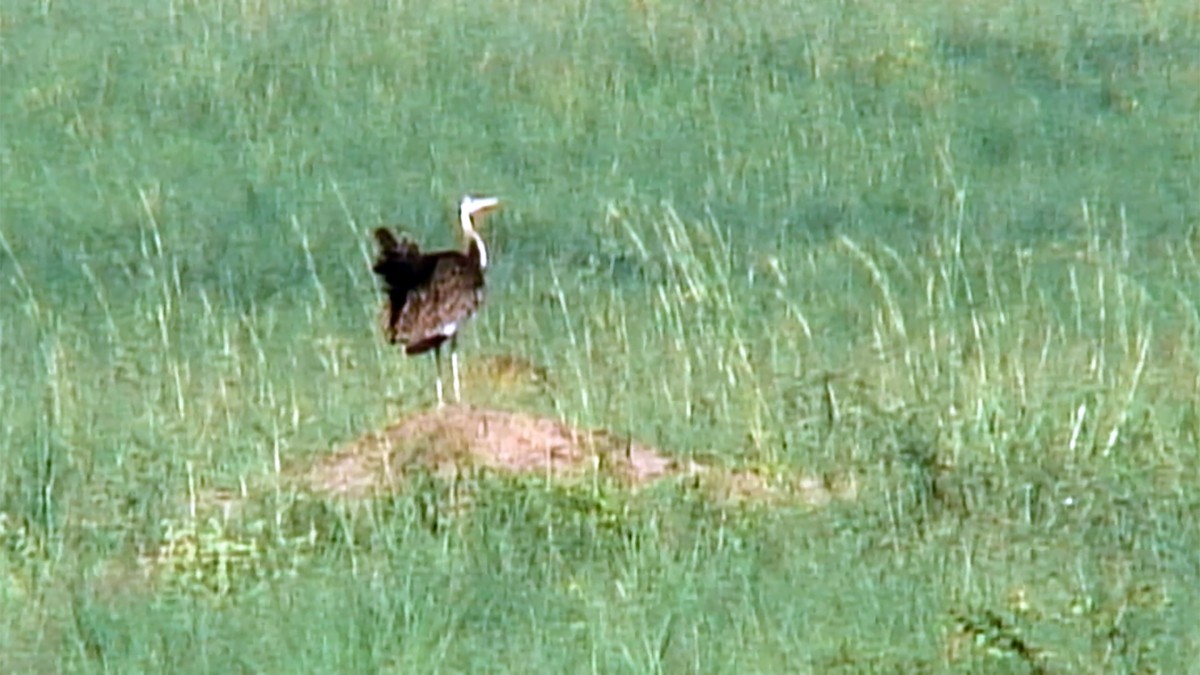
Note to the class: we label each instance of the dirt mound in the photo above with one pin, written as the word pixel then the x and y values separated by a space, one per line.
pixel 455 438
pixel 456 441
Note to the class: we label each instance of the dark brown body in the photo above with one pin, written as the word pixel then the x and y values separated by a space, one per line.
pixel 429 295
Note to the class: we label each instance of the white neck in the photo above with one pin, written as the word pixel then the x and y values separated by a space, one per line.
pixel 469 229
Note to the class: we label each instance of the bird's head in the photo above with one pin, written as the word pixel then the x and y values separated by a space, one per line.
pixel 472 209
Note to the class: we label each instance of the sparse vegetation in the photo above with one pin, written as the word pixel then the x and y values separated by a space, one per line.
pixel 916 281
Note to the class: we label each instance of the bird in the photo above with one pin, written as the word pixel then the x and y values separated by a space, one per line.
pixel 430 296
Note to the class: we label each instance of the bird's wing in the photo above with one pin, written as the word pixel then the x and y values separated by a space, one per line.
pixel 390 245
pixel 402 269
pixel 399 259
pixel 450 297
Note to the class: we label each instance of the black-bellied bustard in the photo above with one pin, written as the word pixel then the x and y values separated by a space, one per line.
pixel 431 295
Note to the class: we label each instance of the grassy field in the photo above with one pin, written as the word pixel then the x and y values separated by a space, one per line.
pixel 947 249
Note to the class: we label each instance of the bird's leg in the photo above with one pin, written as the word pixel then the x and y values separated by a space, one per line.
pixel 454 370
pixel 437 359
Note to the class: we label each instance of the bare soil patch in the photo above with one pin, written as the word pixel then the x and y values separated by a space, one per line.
pixel 456 439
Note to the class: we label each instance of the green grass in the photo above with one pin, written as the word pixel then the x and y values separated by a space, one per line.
pixel 949 248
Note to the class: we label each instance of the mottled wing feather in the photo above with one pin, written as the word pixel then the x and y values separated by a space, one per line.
pixel 428 296
pixel 437 309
